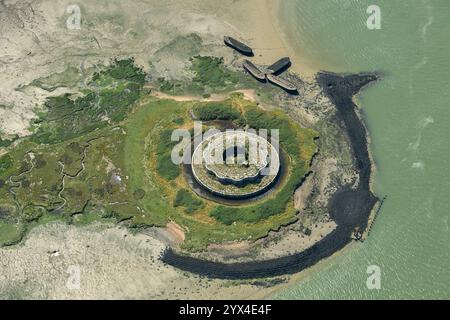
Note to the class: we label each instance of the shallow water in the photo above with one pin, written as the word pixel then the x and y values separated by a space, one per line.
pixel 407 115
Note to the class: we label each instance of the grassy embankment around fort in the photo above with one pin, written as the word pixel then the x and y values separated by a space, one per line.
pixel 104 155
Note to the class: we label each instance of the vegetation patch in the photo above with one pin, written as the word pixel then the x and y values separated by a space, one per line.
pixel 73 165
pixel 10 233
pixel 4 143
pixel 108 99
pixel 165 166
pixel 216 111
pixel 5 163
pixel 100 156
pixel 186 199
pixel 209 75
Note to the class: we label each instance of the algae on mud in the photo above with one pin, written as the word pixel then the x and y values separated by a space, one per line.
pixel 162 189
pixel 105 154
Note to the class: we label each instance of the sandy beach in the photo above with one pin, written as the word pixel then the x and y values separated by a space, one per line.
pixel 257 21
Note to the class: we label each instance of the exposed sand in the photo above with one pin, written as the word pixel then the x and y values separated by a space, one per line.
pixel 35 44
pixel 110 263
pixel 249 94
pixel 176 231
pixel 256 21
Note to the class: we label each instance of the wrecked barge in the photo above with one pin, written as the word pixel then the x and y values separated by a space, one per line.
pixel 282 83
pixel 254 70
pixel 280 66
pixel 238 46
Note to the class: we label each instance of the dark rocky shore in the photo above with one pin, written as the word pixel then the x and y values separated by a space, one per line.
pixel 349 208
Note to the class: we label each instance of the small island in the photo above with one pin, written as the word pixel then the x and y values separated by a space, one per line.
pixel 108 158
pixel 101 153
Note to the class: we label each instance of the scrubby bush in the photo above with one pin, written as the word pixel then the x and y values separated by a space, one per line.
pixel 185 199
pixel 210 72
pixel 7 142
pixel 5 163
pixel 165 167
pixel 114 91
pixel 216 111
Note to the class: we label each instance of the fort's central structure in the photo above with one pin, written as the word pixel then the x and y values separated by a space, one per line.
pixel 235 164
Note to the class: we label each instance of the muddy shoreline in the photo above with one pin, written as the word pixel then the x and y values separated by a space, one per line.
pixel 349 208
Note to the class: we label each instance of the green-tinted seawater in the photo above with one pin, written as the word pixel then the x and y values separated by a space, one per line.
pixel 408 117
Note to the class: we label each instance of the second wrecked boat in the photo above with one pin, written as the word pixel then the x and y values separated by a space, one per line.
pixel 279 66
pixel 254 70
pixel 282 83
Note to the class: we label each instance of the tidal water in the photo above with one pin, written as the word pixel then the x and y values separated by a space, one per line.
pixel 408 118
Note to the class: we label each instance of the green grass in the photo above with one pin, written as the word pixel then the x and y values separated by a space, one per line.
pixel 147 195
pixel 109 98
pixel 92 216
pixel 165 85
pixel 186 199
pixel 229 223
pixel 209 75
pixel 5 163
pixel 124 69
pixel 141 146
pixel 32 213
pixel 210 72
pixel 4 143
pixel 216 111
pixel 74 138
pixel 10 233
pixel 92 194
pixel 165 166
pixel 113 131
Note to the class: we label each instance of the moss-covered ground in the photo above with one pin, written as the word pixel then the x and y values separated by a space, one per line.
pixel 104 155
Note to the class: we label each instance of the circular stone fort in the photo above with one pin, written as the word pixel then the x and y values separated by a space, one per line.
pixel 235 164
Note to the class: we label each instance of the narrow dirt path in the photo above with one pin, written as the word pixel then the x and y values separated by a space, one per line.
pixel 249 94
